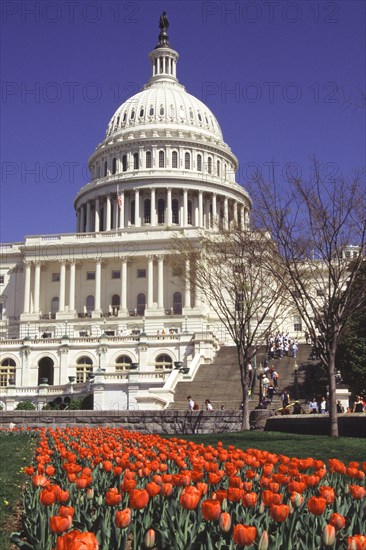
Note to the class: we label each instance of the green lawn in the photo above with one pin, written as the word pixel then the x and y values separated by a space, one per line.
pixel 301 446
pixel 16 452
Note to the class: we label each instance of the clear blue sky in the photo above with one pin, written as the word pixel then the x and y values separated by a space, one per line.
pixel 285 80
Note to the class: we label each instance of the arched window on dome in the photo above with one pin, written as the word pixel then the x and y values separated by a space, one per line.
pixel 161 159
pixel 141 304
pixel 132 212
pixel 199 116
pixel 199 163
pixel 147 210
pixel 114 165
pixel 135 161
pixel 209 165
pixel 117 123
pixel 142 112
pixel 175 211
pixel 89 304
pixel 187 161
pixel 132 115
pixel 161 111
pixel 105 168
pixel 190 210
pixel 7 372
pixel 124 163
pixel 151 111
pixel 84 367
pixel 148 159
pixel 161 211
pixel 191 114
pixel 124 117
pixel 55 303
pixel 98 170
pixel 218 168
pixel 174 159
pixel 115 304
pixel 163 362
pixel 177 303
pixel 123 363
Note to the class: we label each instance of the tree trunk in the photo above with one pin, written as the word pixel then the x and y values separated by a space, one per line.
pixel 245 426
pixel 333 418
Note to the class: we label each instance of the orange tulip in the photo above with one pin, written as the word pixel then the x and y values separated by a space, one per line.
pixel 249 500
pixel 40 481
pixel 47 496
pixel 153 489
pixel 190 498
pixel 244 535
pixel 66 511
pixel 29 470
pixel 357 542
pixel 225 522
pixel 75 540
pixel 268 498
pixel 327 493
pixel 50 470
pixel 112 497
pixel 338 521
pixel 128 485
pixel 211 510
pixel 139 498
pixel 279 512
pixel 357 492
pixel 234 494
pixel 123 518
pixel 316 505
pixel 166 489
pixel 59 524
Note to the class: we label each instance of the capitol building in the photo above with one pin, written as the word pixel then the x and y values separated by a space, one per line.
pixel 103 310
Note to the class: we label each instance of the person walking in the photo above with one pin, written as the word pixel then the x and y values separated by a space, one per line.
pixel 209 407
pixel 323 405
pixel 190 403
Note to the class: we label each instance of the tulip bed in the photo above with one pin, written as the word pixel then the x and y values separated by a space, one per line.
pixel 109 489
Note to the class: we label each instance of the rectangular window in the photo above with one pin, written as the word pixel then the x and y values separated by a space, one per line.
pixel 116 274
pixel 82 374
pixel 141 273
pixel 90 276
pixel 55 277
pixel 177 271
pixel 1 279
pixel 1 311
pixel 297 323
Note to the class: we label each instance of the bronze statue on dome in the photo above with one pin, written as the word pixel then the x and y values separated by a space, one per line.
pixel 163 26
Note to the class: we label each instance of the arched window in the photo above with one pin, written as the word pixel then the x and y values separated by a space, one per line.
pixel 161 211
pixel 142 112
pixel 218 168
pixel 124 163
pixel 141 303
pixel 177 303
pixel 148 159
pixel 115 304
pixel 161 159
pixel 209 165
pixel 132 115
pixel 151 111
pixel 135 161
pixel 55 302
pixel 175 211
pixel 132 212
pixel 147 210
pixel 114 165
pixel 199 163
pixel 7 372
pixel 98 170
pixel 89 304
pixel 190 209
pixel 187 161
pixel 163 362
pixel 174 159
pixel 123 362
pixel 105 168
pixel 84 367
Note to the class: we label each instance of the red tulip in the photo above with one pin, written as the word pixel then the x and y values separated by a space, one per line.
pixel 139 498
pixel 249 500
pixel 153 489
pixel 357 542
pixel 59 524
pixel 211 510
pixel 357 492
pixel 112 498
pixel 75 540
pixel 327 493
pixel 279 512
pixel 123 518
pixel 316 505
pixel 338 521
pixel 166 489
pixel 244 535
pixel 190 498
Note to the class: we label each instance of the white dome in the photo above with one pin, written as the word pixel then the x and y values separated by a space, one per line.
pixel 162 104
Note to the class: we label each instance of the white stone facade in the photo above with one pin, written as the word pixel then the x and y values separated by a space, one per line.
pixel 84 306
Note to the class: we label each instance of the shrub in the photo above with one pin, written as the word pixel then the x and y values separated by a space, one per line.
pixel 25 406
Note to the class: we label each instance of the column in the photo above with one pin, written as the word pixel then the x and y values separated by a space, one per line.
pixel 187 288
pixel 108 213
pixel 98 281
pixel 200 208
pixel 124 284
pixel 235 213
pixel 153 208
pixel 37 282
pixel 185 207
pixel 137 208
pixel 161 282
pixel 226 213
pixel 242 217
pixel 62 286
pixel 214 211
pixel 169 206
pixel 96 216
pixel 72 287
pixel 82 219
pixel 122 210
pixel 28 267
pixel 115 214
pixel 150 281
pixel 88 220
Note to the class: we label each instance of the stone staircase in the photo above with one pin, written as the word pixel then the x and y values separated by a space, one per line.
pixel 220 381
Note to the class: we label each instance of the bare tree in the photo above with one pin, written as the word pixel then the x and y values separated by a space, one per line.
pixel 319 232
pixel 228 270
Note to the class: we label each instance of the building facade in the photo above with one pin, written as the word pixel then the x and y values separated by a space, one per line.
pixel 102 309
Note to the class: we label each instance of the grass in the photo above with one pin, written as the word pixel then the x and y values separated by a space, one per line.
pixel 16 452
pixel 320 447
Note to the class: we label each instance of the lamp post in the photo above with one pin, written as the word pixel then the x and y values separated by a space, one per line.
pixel 260 377
pixel 296 379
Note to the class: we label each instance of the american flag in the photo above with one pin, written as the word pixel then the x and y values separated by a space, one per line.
pixel 119 197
